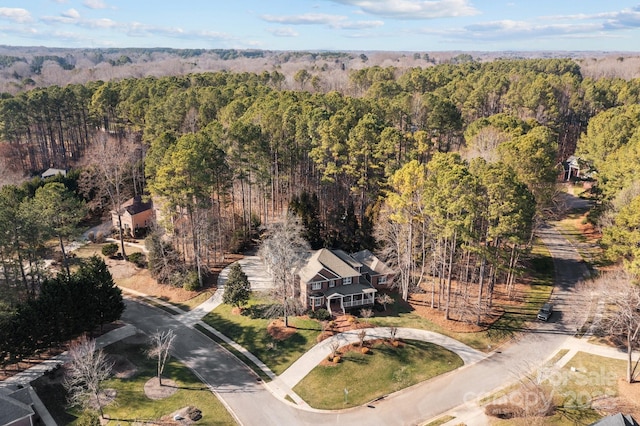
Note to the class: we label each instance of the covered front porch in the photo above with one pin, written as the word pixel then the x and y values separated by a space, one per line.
pixel 349 296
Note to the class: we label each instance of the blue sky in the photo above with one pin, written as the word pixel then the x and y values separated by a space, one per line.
pixel 406 25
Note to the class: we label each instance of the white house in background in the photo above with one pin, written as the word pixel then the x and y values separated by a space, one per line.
pixel 50 172
pixel 337 281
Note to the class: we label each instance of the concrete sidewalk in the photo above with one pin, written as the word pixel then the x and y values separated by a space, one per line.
pixel 27 376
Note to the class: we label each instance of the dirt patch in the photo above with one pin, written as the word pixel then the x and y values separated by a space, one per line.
pixel 629 397
pixel 122 367
pixel 153 390
pixel 421 305
pixel 107 396
pixel 278 331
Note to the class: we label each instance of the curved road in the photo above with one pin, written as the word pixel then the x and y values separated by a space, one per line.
pixel 253 404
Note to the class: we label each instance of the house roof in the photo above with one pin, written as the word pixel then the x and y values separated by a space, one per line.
pixel 371 262
pixel 53 172
pixel 12 409
pixel 135 205
pixel 345 290
pixel 616 420
pixel 325 259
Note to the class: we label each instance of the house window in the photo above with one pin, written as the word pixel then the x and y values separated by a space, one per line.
pixel 346 280
pixel 382 279
pixel 316 286
pixel 332 283
pixel 315 301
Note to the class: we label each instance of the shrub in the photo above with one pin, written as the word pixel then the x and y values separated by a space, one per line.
pixel 110 249
pixel 99 238
pixel 320 314
pixel 88 418
pixel 366 313
pixel 91 236
pixel 336 359
pixel 504 411
pixel 139 259
pixel 364 350
pixel 191 282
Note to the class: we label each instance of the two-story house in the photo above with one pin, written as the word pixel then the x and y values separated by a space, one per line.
pixel 337 281
pixel 136 214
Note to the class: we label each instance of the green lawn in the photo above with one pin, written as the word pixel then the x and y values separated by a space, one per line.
pixel 584 379
pixel 251 333
pixel 384 370
pixel 132 405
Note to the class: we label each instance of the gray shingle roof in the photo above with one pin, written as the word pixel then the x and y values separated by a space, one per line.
pixel 326 259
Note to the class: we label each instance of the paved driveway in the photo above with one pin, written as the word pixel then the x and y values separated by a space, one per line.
pixel 258 275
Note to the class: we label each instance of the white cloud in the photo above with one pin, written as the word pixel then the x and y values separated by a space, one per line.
pixel 413 9
pixel 15 14
pixel 332 21
pixel 283 32
pixel 305 19
pixel 95 4
pixel 71 13
pixel 577 26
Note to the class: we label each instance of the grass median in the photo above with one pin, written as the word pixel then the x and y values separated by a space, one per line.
pixel 366 377
pixel 131 404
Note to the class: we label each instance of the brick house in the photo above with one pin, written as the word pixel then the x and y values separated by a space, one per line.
pixel 337 281
pixel 136 214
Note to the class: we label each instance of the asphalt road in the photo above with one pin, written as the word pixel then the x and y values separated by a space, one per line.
pixel 253 404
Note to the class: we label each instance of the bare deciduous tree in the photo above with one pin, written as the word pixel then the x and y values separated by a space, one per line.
pixel 384 300
pixel 621 320
pixel 283 251
pixel 109 171
pixel 86 371
pixel 366 313
pixel 362 334
pixel 161 344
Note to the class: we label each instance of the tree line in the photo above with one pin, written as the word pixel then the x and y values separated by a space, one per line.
pixel 227 152
pixel 66 306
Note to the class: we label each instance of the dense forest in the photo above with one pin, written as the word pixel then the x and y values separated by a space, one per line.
pixel 445 170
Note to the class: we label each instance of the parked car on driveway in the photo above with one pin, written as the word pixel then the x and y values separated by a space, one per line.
pixel 545 312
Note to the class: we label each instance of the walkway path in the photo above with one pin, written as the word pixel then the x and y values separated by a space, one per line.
pixel 307 362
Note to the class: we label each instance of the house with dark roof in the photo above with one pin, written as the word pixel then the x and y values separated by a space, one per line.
pixel 137 214
pixel 616 420
pixel 378 273
pixel 337 281
pixel 22 407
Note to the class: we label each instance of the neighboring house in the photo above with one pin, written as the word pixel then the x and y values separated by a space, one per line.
pixel 616 420
pixel 53 172
pixel 337 281
pixel 136 214
pixel 17 407
pixel 571 168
